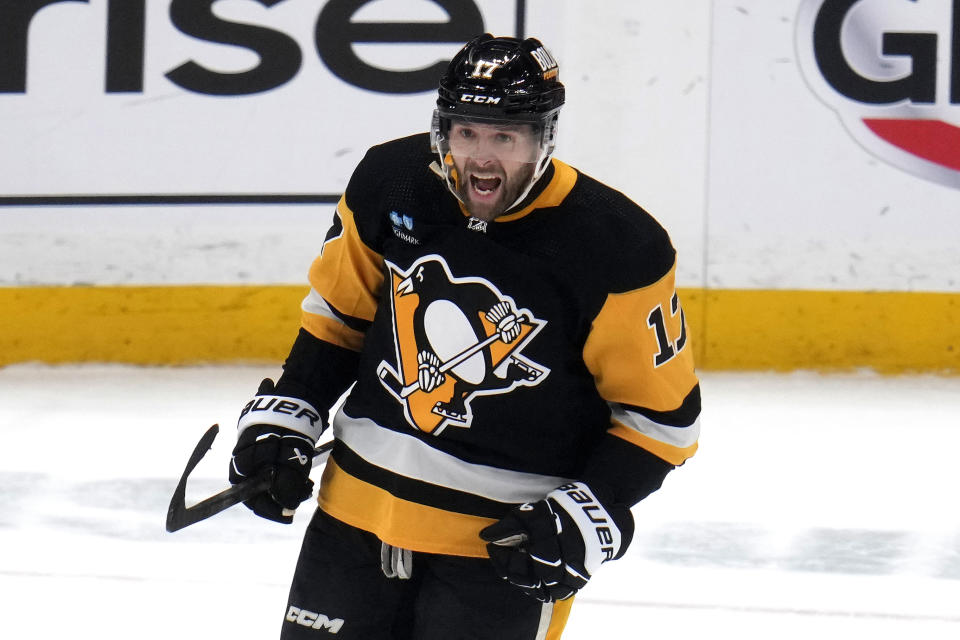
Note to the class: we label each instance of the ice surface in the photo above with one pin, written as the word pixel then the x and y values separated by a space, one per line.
pixel 817 507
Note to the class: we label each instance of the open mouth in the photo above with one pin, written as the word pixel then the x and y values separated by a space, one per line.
pixel 484 185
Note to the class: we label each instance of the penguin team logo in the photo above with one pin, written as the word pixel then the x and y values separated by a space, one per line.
pixel 455 339
pixel 891 71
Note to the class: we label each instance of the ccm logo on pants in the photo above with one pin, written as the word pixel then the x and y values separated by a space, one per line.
pixel 313 620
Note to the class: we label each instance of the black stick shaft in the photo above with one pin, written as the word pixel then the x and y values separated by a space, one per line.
pixel 179 515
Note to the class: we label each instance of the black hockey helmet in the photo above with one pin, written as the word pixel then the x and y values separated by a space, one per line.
pixel 499 79
pixel 505 78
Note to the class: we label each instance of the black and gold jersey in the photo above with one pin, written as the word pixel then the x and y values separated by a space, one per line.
pixel 496 360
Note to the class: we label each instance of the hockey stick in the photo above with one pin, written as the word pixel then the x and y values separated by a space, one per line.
pixel 179 515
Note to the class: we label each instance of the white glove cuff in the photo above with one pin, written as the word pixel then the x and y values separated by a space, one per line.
pixel 281 411
pixel 601 536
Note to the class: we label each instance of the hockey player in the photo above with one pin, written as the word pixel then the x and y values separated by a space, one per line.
pixel 520 367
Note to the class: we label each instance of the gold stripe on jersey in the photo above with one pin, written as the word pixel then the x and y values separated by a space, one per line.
pixel 560 185
pixel 318 319
pixel 399 522
pixel 673 442
pixel 630 359
pixel 673 454
pixel 347 276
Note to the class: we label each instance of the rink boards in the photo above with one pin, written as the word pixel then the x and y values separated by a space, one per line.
pixel 162 192
pixel 891 332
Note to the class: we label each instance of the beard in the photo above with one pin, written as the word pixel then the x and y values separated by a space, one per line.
pixel 489 190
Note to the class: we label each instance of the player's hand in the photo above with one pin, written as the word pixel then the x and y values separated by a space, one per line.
pixel 508 325
pixel 428 371
pixel 276 435
pixel 551 548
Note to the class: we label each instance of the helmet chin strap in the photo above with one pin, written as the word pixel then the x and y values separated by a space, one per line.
pixel 443 170
pixel 547 144
pixel 542 162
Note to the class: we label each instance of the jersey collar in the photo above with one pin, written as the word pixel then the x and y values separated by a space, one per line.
pixel 560 182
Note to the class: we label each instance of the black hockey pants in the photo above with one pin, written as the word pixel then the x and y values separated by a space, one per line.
pixel 340 592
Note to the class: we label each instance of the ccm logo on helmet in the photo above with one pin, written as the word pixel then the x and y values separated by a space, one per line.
pixel 477 99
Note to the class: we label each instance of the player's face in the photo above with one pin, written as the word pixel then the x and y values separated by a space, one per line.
pixel 494 163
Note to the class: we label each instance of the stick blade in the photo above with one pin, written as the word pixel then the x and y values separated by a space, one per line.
pixel 179 515
pixel 177 511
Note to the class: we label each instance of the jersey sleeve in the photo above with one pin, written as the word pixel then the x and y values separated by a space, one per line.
pixel 640 356
pixel 346 277
pixel 639 353
pixel 345 280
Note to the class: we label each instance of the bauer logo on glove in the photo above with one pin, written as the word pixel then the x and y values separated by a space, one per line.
pixel 551 548
pixel 276 435
pixel 589 515
pixel 298 409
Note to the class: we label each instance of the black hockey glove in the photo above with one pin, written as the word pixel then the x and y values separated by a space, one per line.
pixel 551 548
pixel 276 435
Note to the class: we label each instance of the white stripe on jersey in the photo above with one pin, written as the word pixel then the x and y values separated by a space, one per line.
pixel 315 304
pixel 408 456
pixel 680 437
